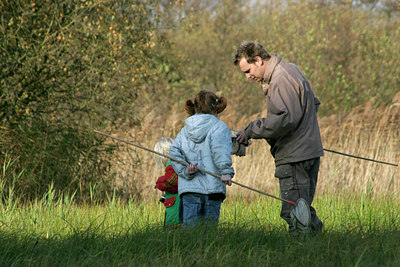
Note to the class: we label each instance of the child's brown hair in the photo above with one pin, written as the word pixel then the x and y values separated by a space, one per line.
pixel 206 102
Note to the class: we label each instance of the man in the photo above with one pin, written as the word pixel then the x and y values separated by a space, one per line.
pixel 290 127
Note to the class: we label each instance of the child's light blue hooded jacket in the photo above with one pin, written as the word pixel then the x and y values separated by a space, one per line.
pixel 207 141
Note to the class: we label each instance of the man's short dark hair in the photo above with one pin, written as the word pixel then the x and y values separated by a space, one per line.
pixel 250 50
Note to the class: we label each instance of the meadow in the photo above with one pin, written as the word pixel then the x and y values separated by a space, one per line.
pixel 69 197
pixel 359 231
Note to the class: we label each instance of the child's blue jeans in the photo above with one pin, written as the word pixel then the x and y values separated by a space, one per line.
pixel 199 208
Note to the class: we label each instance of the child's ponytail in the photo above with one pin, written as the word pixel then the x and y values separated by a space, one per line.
pixel 221 104
pixel 189 106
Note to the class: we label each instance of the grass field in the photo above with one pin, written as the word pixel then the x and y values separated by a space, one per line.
pixel 359 231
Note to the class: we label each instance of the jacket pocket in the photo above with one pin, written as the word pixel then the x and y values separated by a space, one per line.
pixel 169 202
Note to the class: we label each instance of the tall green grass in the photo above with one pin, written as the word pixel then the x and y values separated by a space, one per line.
pixel 359 231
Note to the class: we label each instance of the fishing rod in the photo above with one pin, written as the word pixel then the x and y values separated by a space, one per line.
pixel 234 182
pixel 186 164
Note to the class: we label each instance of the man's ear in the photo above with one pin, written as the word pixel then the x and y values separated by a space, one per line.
pixel 259 62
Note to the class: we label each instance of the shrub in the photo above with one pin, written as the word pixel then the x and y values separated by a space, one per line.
pixel 69 66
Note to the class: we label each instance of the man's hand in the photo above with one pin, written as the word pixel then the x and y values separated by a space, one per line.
pixel 192 168
pixel 242 138
pixel 226 179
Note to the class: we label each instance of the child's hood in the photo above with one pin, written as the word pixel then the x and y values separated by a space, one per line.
pixel 198 125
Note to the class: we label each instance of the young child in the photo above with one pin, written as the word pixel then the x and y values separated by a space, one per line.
pixel 205 143
pixel 168 184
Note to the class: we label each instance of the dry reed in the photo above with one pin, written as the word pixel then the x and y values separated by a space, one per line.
pixel 366 132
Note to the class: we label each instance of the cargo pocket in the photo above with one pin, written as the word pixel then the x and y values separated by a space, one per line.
pixel 285 174
pixel 284 171
pixel 169 202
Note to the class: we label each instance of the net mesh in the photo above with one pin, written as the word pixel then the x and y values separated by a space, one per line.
pixel 301 215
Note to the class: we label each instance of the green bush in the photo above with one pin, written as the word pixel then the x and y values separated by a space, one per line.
pixel 69 66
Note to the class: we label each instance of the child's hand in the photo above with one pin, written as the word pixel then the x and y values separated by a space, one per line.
pixel 192 168
pixel 226 179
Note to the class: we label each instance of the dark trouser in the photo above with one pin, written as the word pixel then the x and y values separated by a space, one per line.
pixel 299 180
